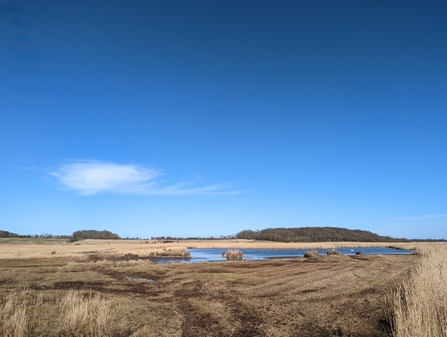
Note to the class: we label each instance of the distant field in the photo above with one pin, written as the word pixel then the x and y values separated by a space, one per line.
pixel 47 248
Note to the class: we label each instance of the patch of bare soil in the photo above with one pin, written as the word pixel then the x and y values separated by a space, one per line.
pixel 333 297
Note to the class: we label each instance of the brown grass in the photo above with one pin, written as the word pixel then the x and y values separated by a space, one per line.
pixel 84 313
pixel 13 315
pixel 419 302
pixel 74 314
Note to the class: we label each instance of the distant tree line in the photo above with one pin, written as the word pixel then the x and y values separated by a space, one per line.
pixel 314 234
pixel 221 237
pixel 6 234
pixel 93 234
pixel 78 235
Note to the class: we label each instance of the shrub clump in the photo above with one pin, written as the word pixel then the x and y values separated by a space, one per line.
pixel 332 252
pixel 234 255
pixel 312 253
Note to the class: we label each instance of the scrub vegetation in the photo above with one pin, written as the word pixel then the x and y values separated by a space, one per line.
pixel 333 295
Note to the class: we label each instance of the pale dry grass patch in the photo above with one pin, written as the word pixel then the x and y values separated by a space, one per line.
pixel 81 250
pixel 13 315
pixel 74 314
pixel 418 304
pixel 84 314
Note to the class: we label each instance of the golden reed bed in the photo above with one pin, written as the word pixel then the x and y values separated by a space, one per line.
pixel 418 303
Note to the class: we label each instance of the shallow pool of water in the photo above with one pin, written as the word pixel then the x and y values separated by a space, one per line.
pixel 215 254
pixel 202 255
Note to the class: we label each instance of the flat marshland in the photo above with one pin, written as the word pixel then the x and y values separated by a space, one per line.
pixel 86 249
pixel 54 288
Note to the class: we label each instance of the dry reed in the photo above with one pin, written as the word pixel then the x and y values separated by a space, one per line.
pixel 84 313
pixel 332 252
pixel 312 253
pixel 172 253
pixel 419 302
pixel 74 314
pixel 13 320
pixel 234 255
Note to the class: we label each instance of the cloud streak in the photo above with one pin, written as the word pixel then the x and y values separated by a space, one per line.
pixel 95 177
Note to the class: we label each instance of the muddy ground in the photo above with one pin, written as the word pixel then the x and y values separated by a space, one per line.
pixel 329 296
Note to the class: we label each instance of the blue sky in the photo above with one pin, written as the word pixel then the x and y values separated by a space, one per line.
pixel 199 118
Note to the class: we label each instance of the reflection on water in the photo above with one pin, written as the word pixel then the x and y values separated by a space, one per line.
pixel 215 254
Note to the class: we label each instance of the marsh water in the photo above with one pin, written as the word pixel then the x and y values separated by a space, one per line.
pixel 215 254
pixel 201 255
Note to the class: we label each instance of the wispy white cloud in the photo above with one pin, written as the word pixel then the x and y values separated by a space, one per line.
pixel 94 177
pixel 419 217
